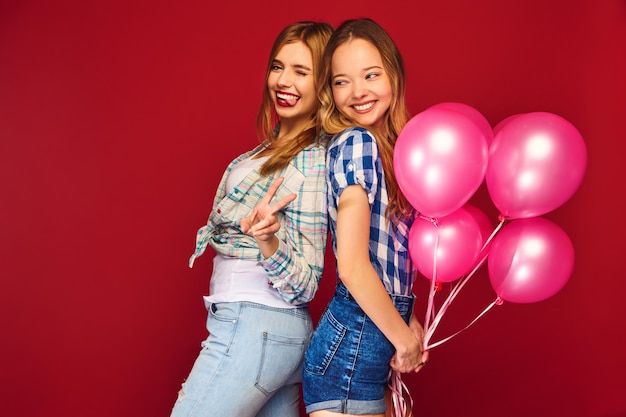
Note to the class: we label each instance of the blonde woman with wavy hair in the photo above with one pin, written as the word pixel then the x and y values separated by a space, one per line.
pixel 268 228
pixel 368 327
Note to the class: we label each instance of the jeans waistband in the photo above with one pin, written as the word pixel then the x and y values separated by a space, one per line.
pixel 403 303
pixel 300 311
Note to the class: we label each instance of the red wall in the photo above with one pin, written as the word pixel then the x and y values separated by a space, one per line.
pixel 117 119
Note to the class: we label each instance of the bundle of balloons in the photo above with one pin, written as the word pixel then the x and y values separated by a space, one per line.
pixel 532 163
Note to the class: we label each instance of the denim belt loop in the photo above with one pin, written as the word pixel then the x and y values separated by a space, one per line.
pixel 404 303
pixel 343 291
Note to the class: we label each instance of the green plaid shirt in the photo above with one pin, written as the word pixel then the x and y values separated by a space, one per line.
pixel 295 269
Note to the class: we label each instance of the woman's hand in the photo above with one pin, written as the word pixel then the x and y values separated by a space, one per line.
pixel 412 359
pixel 262 223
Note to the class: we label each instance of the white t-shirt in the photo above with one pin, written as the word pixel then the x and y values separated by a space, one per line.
pixel 238 279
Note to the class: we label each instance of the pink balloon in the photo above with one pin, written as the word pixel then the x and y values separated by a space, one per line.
pixel 440 159
pixel 536 163
pixel 530 260
pixel 484 224
pixel 476 116
pixel 457 249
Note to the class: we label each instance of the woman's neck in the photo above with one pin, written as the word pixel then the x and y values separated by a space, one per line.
pixel 289 129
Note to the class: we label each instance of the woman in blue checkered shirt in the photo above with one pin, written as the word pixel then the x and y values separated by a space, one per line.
pixel 368 327
pixel 268 227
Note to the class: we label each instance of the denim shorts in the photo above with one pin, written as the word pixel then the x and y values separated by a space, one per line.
pixel 347 363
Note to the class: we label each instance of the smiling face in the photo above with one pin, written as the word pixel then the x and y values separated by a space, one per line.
pixel 361 87
pixel 291 84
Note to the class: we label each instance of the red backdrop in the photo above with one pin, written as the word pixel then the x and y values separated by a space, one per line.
pixel 117 119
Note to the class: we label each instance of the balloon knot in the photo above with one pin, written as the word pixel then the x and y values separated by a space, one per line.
pixel 438 286
pixel 499 301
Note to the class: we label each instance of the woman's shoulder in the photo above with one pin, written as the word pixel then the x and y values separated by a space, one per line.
pixel 353 136
pixel 311 157
pixel 316 147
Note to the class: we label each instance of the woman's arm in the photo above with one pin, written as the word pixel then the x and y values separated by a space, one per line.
pixel 362 281
pixel 295 263
pixel 262 223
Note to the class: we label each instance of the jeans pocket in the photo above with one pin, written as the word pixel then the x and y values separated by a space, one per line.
pixel 326 340
pixel 281 356
pixel 228 312
pixel 222 322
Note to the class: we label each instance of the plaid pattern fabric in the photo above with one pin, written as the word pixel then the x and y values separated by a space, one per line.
pixel 353 158
pixel 296 267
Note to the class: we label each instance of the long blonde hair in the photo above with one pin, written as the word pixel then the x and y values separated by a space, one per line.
pixel 333 121
pixel 314 35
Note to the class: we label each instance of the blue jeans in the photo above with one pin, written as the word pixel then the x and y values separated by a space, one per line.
pixel 250 365
pixel 347 363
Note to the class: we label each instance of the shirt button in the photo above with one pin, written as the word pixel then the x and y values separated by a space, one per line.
pixel 219 211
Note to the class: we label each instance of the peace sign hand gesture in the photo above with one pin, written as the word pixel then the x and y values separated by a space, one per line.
pixel 262 223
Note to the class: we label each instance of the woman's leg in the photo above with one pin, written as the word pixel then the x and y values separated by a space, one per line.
pixel 284 403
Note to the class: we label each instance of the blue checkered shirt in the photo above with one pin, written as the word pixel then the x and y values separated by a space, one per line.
pixel 295 269
pixel 353 158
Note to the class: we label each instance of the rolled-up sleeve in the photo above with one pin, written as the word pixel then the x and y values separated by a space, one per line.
pixel 352 163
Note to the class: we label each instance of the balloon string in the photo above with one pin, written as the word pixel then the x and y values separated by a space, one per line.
pixel 462 283
pixel 398 388
pixel 442 310
pixel 430 308
pixel 430 330
pixel 495 231
pixel 497 301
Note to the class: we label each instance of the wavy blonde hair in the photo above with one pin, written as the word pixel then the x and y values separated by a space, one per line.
pixel 333 121
pixel 314 35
